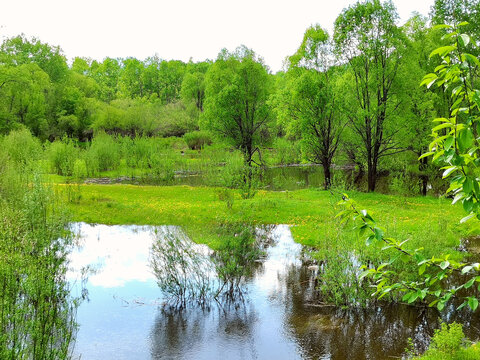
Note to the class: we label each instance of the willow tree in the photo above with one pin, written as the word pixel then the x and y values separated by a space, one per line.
pixel 237 89
pixel 367 38
pixel 309 99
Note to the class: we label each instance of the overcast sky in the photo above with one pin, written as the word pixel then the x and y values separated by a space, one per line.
pixel 176 29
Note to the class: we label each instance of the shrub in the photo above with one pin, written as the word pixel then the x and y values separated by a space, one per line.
pixel 62 156
pixel 79 169
pixel 449 343
pixel 37 320
pixel 197 140
pixel 21 146
pixel 104 152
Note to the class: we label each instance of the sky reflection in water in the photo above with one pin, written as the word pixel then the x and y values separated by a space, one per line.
pixel 276 319
pixel 123 319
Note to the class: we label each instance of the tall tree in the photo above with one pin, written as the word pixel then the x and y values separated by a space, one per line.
pixel 419 104
pixel 19 50
pixel 367 37
pixel 310 98
pixel 131 81
pixel 107 75
pixel 23 98
pixel 237 89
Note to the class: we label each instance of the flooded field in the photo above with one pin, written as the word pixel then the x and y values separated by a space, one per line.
pixel 278 315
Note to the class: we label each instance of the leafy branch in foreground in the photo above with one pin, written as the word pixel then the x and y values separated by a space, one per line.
pixel 456 147
pixel 433 272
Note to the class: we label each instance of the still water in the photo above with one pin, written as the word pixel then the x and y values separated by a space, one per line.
pixel 277 318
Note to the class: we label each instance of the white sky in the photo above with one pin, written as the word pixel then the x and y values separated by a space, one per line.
pixel 176 29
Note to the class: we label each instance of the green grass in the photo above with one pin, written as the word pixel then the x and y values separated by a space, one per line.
pixel 429 222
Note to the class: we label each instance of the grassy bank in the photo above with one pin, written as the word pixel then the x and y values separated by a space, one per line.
pixel 429 222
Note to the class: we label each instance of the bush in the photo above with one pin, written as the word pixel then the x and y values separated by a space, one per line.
pixel 21 146
pixel 104 152
pixel 449 343
pixel 62 156
pixel 79 169
pixel 162 167
pixel 197 140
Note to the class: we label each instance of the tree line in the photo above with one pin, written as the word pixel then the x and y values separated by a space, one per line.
pixel 353 94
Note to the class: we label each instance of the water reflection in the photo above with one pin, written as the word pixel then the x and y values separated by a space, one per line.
pixel 279 316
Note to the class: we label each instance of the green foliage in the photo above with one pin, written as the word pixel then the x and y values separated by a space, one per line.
pixel 449 343
pixel 103 153
pixel 227 196
pixel 79 169
pixel 236 100
pixel 37 320
pixel 367 37
pixel 21 147
pixel 455 146
pixel 286 152
pixel 198 139
pixel 62 156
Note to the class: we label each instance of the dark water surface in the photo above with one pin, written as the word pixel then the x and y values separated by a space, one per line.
pixel 273 178
pixel 279 316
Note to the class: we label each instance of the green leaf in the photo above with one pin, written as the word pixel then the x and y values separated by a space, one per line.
pixel 442 51
pixel 457 197
pixel 442 26
pixel 473 60
pixel 465 139
pixel 465 39
pixel 469 283
pixel 473 303
pixel 449 141
pixel 449 170
pixel 440 305
pixel 422 269
pixel 426 154
pixel 370 240
pixel 413 297
pixel 365 273
pixel 442 126
pixel 466 218
pixel 444 264
pixel 467 185
pixel 468 205
pixel 378 233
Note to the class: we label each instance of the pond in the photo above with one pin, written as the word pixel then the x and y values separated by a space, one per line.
pixel 278 316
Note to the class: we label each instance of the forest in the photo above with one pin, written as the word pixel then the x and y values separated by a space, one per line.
pixel 365 144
